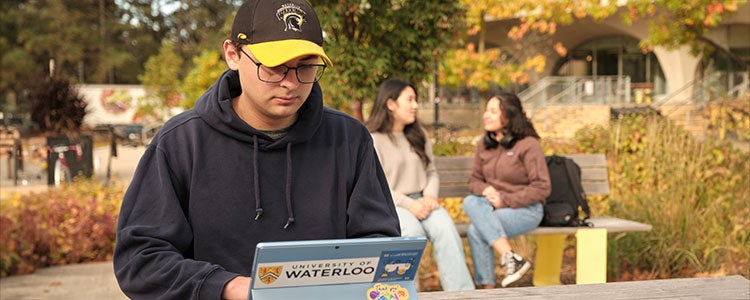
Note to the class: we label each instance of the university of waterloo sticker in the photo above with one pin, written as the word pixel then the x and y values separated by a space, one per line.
pixel 315 272
pixel 268 275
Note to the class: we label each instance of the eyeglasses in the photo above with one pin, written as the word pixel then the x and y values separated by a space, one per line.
pixel 305 73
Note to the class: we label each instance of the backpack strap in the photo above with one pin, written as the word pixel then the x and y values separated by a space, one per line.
pixel 580 195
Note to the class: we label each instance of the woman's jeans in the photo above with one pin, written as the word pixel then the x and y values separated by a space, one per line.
pixel 489 224
pixel 447 247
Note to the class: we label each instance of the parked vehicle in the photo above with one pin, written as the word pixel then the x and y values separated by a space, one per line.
pixel 132 134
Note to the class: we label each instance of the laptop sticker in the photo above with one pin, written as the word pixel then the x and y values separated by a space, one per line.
pixel 398 265
pixel 316 272
pixel 382 291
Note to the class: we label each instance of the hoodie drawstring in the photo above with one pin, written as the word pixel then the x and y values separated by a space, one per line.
pixel 258 209
pixel 287 189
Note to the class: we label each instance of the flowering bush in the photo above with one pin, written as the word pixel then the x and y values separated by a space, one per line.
pixel 72 224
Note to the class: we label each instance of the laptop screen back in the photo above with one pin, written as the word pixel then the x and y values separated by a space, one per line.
pixel 366 268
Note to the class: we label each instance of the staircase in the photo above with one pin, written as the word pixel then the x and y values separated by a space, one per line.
pixel 689 116
pixel 562 121
pixel 559 106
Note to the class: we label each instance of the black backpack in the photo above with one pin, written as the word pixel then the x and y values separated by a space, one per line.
pixel 566 196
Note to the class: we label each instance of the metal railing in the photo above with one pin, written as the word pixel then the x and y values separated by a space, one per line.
pixel 702 90
pixel 576 90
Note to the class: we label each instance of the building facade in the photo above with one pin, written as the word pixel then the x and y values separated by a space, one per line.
pixel 605 66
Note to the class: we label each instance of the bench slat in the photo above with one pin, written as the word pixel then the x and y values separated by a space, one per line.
pixel 454 191
pixel 591 174
pixel 454 174
pixel 596 188
pixel 612 224
pixel 453 162
pixel 588 160
pixel 453 177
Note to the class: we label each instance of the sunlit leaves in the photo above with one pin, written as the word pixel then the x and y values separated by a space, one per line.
pixel 206 69
pixel 369 41
pixel 677 22
pixel 672 23
pixel 162 82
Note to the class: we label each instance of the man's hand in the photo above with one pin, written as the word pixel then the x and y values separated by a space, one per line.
pixel 237 288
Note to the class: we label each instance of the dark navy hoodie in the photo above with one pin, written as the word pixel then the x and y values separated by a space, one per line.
pixel 210 187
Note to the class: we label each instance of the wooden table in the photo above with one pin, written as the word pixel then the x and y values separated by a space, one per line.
pixel 727 287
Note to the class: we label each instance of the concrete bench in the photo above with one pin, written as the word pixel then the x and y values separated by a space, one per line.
pixel 591 243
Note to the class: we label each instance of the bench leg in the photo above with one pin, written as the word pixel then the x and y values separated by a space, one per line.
pixel 549 254
pixel 591 256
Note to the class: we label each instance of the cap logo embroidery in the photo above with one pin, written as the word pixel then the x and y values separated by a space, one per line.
pixel 292 15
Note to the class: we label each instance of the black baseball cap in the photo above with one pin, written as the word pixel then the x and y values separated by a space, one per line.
pixel 277 31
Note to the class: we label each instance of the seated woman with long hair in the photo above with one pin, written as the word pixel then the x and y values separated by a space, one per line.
pixel 509 183
pixel 406 156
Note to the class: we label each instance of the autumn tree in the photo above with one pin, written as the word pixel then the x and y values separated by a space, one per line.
pixel 369 41
pixel 161 80
pixel 673 23
pixel 83 39
pixel 192 25
pixel 476 67
pixel 57 107
pixel 207 67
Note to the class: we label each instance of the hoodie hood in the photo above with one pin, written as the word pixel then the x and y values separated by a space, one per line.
pixel 215 107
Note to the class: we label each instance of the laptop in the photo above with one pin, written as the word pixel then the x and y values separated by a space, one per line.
pixel 365 268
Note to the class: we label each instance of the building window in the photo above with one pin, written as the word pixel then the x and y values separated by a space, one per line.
pixel 615 56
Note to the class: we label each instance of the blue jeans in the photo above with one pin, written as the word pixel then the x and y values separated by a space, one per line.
pixel 489 224
pixel 447 247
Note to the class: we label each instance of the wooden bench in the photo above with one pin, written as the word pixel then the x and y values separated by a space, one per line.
pixel 591 243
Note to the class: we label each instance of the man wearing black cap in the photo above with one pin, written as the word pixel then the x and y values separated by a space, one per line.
pixel 259 158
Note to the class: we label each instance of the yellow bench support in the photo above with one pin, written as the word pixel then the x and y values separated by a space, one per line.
pixel 591 257
pixel 548 259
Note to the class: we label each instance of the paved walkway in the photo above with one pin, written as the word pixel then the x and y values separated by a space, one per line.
pixel 93 281
pixel 34 178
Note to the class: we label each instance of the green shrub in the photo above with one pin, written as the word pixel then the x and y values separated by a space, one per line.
pixel 694 193
pixel 75 223
pixel 455 143
pixel 729 118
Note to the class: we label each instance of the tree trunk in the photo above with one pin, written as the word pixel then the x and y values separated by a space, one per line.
pixel 357 108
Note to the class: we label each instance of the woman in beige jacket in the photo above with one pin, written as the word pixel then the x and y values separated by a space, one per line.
pixel 406 156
